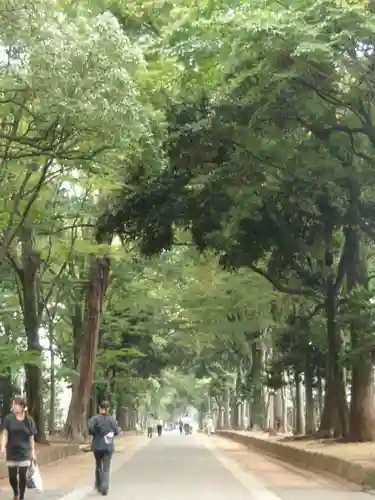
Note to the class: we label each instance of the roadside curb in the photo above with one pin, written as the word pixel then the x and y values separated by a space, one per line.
pixel 351 472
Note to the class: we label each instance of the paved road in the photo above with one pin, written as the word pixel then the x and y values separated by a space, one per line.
pixel 177 467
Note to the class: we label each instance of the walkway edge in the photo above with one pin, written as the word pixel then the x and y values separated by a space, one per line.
pixel 319 462
pixel 249 481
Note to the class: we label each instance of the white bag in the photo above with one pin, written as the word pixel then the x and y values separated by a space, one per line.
pixel 108 438
pixel 35 481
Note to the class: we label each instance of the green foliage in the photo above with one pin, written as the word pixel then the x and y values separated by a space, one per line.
pixel 222 157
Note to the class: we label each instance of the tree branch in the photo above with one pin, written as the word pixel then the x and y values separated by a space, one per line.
pixel 283 288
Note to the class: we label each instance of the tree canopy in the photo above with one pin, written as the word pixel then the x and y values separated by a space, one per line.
pixel 187 216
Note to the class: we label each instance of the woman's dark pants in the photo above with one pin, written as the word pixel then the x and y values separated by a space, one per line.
pixel 102 468
pixel 18 486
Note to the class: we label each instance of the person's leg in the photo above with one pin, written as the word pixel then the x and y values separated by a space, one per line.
pixel 105 474
pixel 98 470
pixel 13 480
pixel 22 472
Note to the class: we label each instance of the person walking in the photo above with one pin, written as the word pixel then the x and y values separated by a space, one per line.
pixel 186 423
pixel 17 442
pixel 103 428
pixel 159 427
pixel 150 426
pixel 209 425
pixel 180 426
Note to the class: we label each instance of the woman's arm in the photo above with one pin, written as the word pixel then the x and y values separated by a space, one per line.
pixel 33 433
pixel 91 425
pixel 4 441
pixel 32 444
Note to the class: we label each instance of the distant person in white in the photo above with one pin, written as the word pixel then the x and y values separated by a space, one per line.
pixel 209 425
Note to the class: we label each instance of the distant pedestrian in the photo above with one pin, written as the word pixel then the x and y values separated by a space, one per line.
pixel 159 427
pixel 150 426
pixel 138 429
pixel 17 440
pixel 103 428
pixel 209 425
pixel 180 426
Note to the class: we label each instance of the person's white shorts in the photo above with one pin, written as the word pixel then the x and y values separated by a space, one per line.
pixel 21 463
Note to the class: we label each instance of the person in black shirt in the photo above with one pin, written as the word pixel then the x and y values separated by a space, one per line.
pixel 103 428
pixel 17 440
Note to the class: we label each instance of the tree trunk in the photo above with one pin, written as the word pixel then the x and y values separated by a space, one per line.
pixel 220 417
pixel 284 421
pixel 310 407
pixel 257 406
pixel 278 410
pixel 362 409
pixel 335 416
pixel 320 397
pixel 243 423
pixel 226 423
pixel 235 413
pixel 122 418
pixel 77 330
pixel 249 413
pixel 75 426
pixel 31 317
pixel 298 419
pixel 52 382
pixel 93 406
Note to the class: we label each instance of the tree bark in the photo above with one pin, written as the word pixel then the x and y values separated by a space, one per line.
pixel 235 403
pixel 235 413
pixel 335 416
pixel 284 421
pixel 298 419
pixel 278 405
pixel 31 317
pixel 249 413
pixel 52 381
pixel 362 409
pixel 310 407
pixel 320 397
pixel 226 403
pixel 77 330
pixel 257 406
pixel 244 422
pixel 220 417
pixel 75 426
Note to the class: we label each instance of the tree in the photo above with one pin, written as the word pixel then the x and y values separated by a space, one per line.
pixel 256 209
